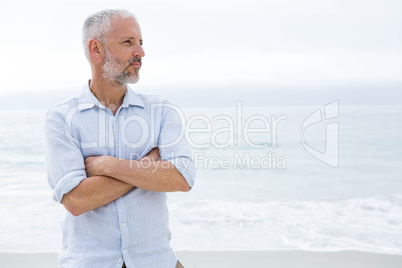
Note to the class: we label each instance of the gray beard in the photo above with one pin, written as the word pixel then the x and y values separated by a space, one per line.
pixel 115 73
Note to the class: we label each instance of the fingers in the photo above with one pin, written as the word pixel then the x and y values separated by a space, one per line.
pixel 91 165
pixel 154 154
pixel 154 150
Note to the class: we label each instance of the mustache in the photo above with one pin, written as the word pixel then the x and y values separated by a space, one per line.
pixel 135 59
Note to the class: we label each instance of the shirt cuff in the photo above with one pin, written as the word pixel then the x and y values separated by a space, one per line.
pixel 186 168
pixel 67 183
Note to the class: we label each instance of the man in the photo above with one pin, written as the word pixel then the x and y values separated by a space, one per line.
pixel 112 155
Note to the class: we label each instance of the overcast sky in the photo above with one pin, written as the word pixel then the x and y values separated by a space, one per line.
pixel 211 43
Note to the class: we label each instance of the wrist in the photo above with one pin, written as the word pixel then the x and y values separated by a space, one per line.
pixel 107 165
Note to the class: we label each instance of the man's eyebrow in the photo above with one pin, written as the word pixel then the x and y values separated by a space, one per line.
pixel 131 38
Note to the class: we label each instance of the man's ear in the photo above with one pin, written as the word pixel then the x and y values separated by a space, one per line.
pixel 96 50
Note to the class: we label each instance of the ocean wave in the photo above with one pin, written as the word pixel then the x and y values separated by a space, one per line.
pixel 372 224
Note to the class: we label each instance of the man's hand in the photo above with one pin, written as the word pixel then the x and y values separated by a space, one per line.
pixel 153 155
pixel 95 165
pixel 149 172
pixel 99 165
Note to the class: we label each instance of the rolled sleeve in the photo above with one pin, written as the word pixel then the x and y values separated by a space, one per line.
pixel 67 183
pixel 186 168
pixel 172 143
pixel 65 162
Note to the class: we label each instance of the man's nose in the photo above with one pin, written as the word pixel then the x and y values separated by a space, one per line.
pixel 138 51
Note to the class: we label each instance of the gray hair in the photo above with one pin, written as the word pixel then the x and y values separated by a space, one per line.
pixel 98 26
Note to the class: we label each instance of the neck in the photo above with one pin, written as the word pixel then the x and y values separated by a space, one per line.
pixel 111 95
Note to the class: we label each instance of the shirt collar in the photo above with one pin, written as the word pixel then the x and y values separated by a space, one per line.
pixel 132 98
pixel 88 100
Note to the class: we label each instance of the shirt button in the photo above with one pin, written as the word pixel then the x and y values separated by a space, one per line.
pixel 120 260
pixel 124 251
pixel 123 224
pixel 119 198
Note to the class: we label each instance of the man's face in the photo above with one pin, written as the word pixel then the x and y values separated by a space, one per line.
pixel 123 52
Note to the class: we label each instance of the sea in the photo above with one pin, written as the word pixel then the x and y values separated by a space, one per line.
pixel 313 178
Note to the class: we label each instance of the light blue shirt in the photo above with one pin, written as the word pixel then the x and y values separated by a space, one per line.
pixel 134 228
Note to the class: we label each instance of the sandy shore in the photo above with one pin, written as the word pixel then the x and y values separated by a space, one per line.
pixel 237 259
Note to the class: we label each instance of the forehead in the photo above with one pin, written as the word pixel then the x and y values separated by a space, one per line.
pixel 123 28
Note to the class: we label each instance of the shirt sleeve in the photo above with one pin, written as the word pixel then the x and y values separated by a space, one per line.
pixel 172 143
pixel 65 162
